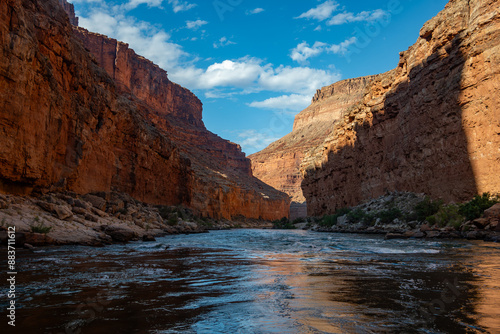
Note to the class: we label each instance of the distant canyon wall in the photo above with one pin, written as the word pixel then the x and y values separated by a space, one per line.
pixel 108 119
pixel 279 164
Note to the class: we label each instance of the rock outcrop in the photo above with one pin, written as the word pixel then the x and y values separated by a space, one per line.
pixel 432 125
pixel 72 121
pixel 279 164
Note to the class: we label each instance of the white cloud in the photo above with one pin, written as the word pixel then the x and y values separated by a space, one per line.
pixel 367 16
pixel 135 3
pixel 302 80
pixel 181 6
pixel 321 12
pixel 144 38
pixel 232 73
pixel 236 76
pixel 255 11
pixel 223 41
pixel 257 140
pixel 342 47
pixel 194 25
pixel 303 51
pixel 293 102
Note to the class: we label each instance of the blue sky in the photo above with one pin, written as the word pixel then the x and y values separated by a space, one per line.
pixel 256 64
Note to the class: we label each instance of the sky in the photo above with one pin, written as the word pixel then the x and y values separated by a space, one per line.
pixel 255 64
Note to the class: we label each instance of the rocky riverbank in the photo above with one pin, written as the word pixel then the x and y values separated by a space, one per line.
pixel 99 219
pixel 408 215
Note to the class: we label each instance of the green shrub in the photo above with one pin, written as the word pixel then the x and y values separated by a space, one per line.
pixel 298 221
pixel 475 207
pixel 360 216
pixel 283 224
pixel 39 227
pixel 388 216
pixel 330 220
pixel 173 219
pixel 427 207
pixel 448 215
pixel 164 211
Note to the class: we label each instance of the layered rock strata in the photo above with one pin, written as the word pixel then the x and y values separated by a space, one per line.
pixel 279 164
pixel 431 125
pixel 71 122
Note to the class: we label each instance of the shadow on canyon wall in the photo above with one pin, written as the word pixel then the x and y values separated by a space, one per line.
pixel 415 142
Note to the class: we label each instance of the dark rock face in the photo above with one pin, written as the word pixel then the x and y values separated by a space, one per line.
pixel 70 122
pixel 432 125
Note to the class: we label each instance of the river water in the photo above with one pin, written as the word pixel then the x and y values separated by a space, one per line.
pixel 260 281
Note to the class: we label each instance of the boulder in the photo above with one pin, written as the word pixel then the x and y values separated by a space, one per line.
pixel 148 237
pixel 38 239
pixel 63 213
pixel 493 212
pixel 119 233
pixel 432 234
pixel 425 228
pixel 81 204
pixel 49 207
pixel 96 201
pixel 481 222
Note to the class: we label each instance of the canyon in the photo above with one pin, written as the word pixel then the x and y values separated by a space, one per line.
pixel 84 113
pixel 431 125
pixel 279 164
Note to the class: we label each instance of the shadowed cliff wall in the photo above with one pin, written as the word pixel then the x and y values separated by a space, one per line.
pixel 431 125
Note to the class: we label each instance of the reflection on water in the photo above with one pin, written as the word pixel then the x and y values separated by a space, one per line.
pixel 261 281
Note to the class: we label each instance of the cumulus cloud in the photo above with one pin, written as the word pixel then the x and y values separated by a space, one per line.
pixel 303 51
pixel 181 6
pixel 255 11
pixel 321 12
pixel 252 75
pixel 293 102
pixel 223 41
pixel 367 16
pixel 194 25
pixel 135 3
pixel 235 76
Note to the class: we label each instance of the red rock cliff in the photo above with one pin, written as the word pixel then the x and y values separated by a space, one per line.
pixel 66 124
pixel 431 125
pixel 135 75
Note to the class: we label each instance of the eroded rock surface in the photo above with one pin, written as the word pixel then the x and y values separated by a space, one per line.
pixel 431 125
pixel 75 121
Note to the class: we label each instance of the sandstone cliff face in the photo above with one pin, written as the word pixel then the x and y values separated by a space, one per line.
pixel 66 124
pixel 134 75
pixel 279 164
pixel 431 125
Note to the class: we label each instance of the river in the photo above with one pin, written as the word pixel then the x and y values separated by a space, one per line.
pixel 260 281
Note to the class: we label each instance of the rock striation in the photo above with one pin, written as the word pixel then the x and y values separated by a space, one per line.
pixel 82 112
pixel 432 125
